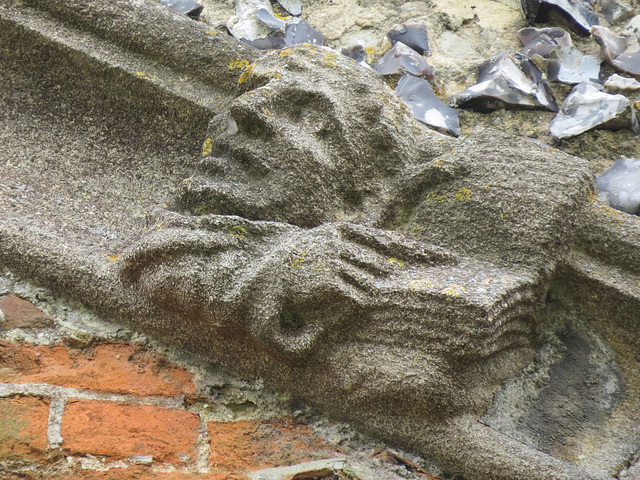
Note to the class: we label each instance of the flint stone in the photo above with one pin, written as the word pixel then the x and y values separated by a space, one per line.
pixel 632 28
pixel 541 41
pixel 615 12
pixel 579 14
pixel 507 81
pixel 403 59
pixel 417 94
pixel 569 65
pixel 620 51
pixel 327 243
pixel 587 107
pixel 357 52
pixel 294 7
pixel 271 42
pixel 301 32
pixel 619 186
pixel 270 20
pixel 616 83
pixel 188 7
pixel 413 35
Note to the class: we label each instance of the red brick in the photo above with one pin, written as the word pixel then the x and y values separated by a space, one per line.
pixel 249 445
pixel 23 428
pixel 114 368
pixel 19 313
pixel 120 431
pixel 131 473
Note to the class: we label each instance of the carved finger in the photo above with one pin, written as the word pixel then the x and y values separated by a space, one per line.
pixel 396 245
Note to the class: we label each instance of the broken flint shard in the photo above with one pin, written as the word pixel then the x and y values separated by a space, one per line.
pixel 413 35
pixel 357 52
pixel 619 186
pixel 615 83
pixel 294 7
pixel 507 80
pixel 271 42
pixel 541 41
pixel 587 107
pixel 569 65
pixel 620 51
pixel 302 32
pixel 188 7
pixel 615 12
pixel 270 20
pixel 576 12
pixel 417 94
pixel 402 59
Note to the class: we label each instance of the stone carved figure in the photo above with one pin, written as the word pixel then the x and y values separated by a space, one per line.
pixel 349 255
pixel 303 238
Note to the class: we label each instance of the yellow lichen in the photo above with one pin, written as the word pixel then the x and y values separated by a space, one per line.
pixel 299 261
pixel 329 59
pixel 113 258
pixel 144 75
pixel 433 197
pixel 207 146
pixel 463 194
pixel 212 32
pixel 454 290
pixel 321 267
pixel 266 111
pixel 246 74
pixel 236 63
pixel 285 53
pixel 419 284
pixel 281 17
pixel 238 231
pixel 396 262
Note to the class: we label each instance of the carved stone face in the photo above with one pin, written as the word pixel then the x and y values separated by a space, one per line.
pixel 302 150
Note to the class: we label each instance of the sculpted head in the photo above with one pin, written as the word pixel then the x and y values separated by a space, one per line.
pixel 298 147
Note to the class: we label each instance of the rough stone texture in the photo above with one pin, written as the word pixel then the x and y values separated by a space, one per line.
pixel 18 313
pixel 23 428
pixel 327 242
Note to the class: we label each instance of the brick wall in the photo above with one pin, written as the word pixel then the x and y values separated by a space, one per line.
pixel 120 410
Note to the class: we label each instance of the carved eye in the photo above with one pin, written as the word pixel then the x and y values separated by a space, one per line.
pixel 248 121
pixel 291 320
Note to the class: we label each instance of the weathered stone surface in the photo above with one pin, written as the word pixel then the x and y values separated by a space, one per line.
pixel 327 242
